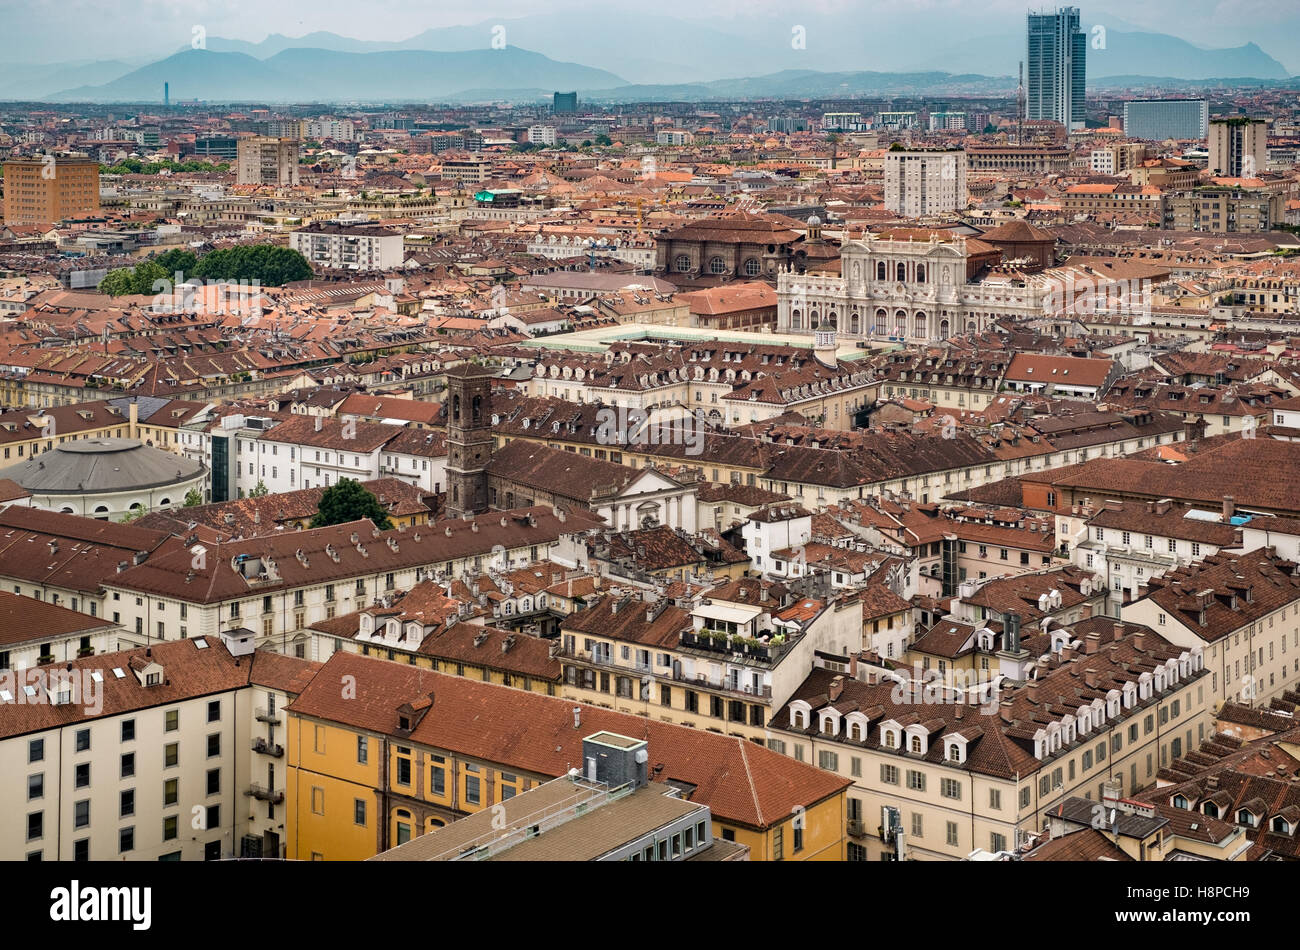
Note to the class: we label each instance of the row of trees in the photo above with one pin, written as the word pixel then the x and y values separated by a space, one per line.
pixel 134 166
pixel 265 264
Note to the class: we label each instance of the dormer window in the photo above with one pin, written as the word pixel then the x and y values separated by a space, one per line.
pixel 855 732
pixel 917 745
pixel 404 723
pixel 1180 801
pixel 956 752
pixel 889 739
pixel 797 720
pixel 153 679
pixel 1281 826
pixel 1246 818
pixel 1210 810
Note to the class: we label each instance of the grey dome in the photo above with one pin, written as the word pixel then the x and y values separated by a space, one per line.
pixel 101 466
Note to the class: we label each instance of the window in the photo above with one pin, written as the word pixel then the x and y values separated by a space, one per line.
pixel 128 764
pixel 169 829
pixel 214 781
pixel 363 752
pixel 81 775
pixel 317 800
pixel 126 803
pixel 35 786
pixel 473 794
pixel 889 774
pixel 128 730
pixel 35 750
pixel 951 837
pixel 171 754
pixel 83 740
pixel 918 826
pixel 403 766
pixel 359 811
pixel 950 788
pixel 81 814
pixel 995 799
pixel 35 825
pixel 172 720
pixel 916 780
pixel 214 711
pixel 171 791
pixel 126 840
pixel 829 761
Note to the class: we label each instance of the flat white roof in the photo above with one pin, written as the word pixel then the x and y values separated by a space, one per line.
pixel 727 612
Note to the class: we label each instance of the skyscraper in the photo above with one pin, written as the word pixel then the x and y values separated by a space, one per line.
pixel 1057 62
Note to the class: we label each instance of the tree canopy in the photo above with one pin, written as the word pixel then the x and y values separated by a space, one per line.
pixel 264 264
pixel 349 501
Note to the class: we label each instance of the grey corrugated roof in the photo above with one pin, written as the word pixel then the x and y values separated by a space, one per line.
pixel 92 466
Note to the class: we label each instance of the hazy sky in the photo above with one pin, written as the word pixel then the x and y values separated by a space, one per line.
pixel 39 30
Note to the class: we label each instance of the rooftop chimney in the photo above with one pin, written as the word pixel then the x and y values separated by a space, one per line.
pixel 837 688
pixel 1004 711
pixel 1229 507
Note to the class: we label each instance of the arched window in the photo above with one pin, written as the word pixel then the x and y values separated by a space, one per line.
pixel 682 263
pixel 881 324
pixel 855 323
pixel 880 270
pixel 920 326
pixel 920 273
pixel 752 267
pixel 796 320
pixel 902 273
pixel 799 720
pixel 916 743
pixel 717 265
pixel 855 732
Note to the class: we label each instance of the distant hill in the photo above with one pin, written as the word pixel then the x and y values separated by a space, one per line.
pixel 1125 54
pixel 317 75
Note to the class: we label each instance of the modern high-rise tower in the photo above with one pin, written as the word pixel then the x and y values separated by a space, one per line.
pixel 1057 64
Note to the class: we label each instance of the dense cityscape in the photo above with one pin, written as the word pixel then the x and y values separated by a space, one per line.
pixel 637 471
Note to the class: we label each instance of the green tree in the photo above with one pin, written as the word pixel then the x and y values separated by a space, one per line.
pixel 349 501
pixel 603 139
pixel 118 282
pixel 193 498
pixel 267 264
pixel 177 259
pixel 259 490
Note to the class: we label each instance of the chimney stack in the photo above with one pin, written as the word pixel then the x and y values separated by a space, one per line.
pixel 1229 507
pixel 1091 678
pixel 1118 627
pixel 1090 643
pixel 837 688
pixel 1139 641
pixel 1004 711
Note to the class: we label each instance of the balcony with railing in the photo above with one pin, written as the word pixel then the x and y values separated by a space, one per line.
pixel 264 794
pixel 264 714
pixel 741 649
pixel 263 747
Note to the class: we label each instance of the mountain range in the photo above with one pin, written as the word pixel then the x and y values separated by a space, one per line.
pixel 617 55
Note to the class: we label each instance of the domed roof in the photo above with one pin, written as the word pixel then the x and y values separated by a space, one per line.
pixel 814 221
pixel 99 466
